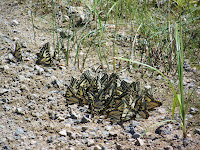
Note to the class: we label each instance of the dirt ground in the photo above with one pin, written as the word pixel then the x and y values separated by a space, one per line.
pixel 34 113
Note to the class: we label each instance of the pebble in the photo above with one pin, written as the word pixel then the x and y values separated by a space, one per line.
pixel 19 111
pixel 193 110
pixel 84 128
pixel 40 71
pixel 147 87
pixel 136 135
pixel 85 119
pixel 24 44
pixel 197 131
pixel 108 128
pixel 6 108
pixel 21 78
pixel 186 141
pixel 158 77
pixel 139 142
pixel 19 131
pixel 90 142
pixel 2 91
pixel 63 133
pixel 97 147
pixel 50 99
pixel 112 134
pixel 51 139
pixel 11 58
pixel 168 148
pixel 14 23
pixel 71 134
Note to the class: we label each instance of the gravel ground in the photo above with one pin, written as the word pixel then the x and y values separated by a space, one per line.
pixel 34 113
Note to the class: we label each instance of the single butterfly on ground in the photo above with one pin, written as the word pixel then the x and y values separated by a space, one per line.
pixel 44 56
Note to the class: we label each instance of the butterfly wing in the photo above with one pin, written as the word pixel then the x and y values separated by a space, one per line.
pixel 71 96
pixel 150 103
pixel 44 57
pixel 17 53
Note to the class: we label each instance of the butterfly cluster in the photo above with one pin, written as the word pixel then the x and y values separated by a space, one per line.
pixel 108 95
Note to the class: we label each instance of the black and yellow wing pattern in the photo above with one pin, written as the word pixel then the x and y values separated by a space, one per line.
pixel 108 95
pixel 17 53
pixel 44 56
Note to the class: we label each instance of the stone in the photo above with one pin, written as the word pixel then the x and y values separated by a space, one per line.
pixel 139 142
pixel 21 78
pixel 85 119
pixel 108 128
pixel 136 135
pixel 24 44
pixel 197 131
pixel 147 87
pixel 84 128
pixel 19 111
pixel 19 131
pixel 90 142
pixel 97 147
pixel 63 133
pixel 14 23
pixel 2 91
pixel 193 110
pixel 11 57
pixel 112 134
pixel 40 71
pixel 158 77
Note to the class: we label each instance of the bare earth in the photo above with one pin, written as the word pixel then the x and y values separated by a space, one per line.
pixel 34 113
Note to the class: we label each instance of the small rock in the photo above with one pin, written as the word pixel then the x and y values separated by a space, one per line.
pixel 85 119
pixel 32 96
pixel 186 141
pixel 197 131
pixel 21 78
pixel 6 108
pixel 4 100
pixel 158 77
pixel 84 128
pixel 14 22
pixel 112 134
pixel 65 18
pixel 168 148
pixel 11 57
pixel 71 134
pixel 147 87
pixel 19 111
pixel 19 131
pixel 60 118
pixel 139 142
pixel 193 110
pixel 136 135
pixel 105 133
pixel 90 142
pixel 85 135
pixel 16 31
pixel 2 91
pixel 73 115
pixel 51 99
pixel 51 139
pixel 40 71
pixel 24 44
pixel 63 133
pixel 108 128
pixel 56 83
pixel 97 147
pixel 119 147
